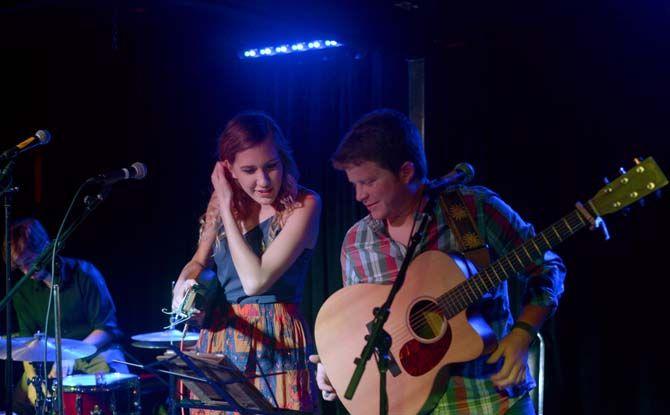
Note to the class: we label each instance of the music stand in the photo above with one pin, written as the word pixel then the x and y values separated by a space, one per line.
pixel 217 384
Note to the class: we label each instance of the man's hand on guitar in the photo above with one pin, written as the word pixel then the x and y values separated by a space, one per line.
pixel 513 348
pixel 327 391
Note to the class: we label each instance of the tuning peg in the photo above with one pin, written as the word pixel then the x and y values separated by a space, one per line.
pixel 658 194
pixel 642 202
pixel 606 180
pixel 622 170
pixel 638 160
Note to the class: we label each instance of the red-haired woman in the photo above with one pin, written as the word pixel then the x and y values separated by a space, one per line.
pixel 259 230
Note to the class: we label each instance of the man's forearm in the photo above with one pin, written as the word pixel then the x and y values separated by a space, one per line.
pixel 534 315
pixel 98 338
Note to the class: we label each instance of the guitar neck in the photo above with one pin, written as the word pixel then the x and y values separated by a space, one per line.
pixel 471 290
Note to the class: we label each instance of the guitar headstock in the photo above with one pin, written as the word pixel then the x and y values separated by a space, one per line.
pixel 641 180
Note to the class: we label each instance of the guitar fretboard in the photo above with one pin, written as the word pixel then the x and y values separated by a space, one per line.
pixel 471 290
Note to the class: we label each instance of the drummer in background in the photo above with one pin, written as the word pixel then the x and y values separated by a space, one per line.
pixel 87 309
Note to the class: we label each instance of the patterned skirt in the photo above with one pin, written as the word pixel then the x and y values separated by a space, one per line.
pixel 270 343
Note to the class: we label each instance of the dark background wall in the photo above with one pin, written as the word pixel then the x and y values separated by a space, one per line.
pixel 543 99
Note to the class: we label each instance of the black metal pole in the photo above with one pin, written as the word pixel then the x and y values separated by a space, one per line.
pixel 172 391
pixel 7 174
pixel 172 395
pixel 59 351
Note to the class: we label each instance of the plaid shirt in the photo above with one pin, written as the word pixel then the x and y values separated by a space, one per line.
pixel 370 255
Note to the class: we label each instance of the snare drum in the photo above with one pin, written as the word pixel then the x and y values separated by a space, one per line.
pixel 101 394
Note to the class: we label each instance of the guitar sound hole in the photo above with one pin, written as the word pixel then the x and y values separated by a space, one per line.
pixel 426 321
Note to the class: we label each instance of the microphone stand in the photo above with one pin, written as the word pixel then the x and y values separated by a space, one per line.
pixel 379 341
pixel 7 173
pixel 59 349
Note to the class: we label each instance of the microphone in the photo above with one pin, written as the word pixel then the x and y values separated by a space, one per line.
pixel 461 174
pixel 137 171
pixel 41 137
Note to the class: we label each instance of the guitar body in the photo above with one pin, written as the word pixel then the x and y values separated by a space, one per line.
pixel 423 342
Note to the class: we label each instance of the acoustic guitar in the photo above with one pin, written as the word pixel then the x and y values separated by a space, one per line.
pixel 431 322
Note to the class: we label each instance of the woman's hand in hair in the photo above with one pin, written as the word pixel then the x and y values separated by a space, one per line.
pixel 222 186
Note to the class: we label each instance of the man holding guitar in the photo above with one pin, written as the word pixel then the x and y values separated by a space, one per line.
pixel 383 157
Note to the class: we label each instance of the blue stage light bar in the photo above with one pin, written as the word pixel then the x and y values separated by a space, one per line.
pixel 285 49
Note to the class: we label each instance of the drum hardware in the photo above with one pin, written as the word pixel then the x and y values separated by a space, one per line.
pixel 31 349
pixel 163 339
pixel 44 401
pixel 91 394
pixel 101 394
pixel 38 349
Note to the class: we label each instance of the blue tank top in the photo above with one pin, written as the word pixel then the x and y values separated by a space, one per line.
pixel 287 289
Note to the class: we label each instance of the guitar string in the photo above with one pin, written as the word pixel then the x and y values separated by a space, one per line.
pixel 566 226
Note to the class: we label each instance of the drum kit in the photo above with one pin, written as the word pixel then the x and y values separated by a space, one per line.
pixel 211 378
pixel 88 394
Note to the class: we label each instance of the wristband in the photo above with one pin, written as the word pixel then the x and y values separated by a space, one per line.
pixel 527 328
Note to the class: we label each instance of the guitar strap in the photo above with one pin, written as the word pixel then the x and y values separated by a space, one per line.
pixel 464 229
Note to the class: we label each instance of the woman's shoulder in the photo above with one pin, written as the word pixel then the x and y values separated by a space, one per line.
pixel 306 205
pixel 308 197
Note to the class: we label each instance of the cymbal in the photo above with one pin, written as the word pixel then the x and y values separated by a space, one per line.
pixel 160 339
pixel 31 349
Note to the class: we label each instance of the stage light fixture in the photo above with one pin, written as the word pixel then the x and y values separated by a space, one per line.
pixel 285 49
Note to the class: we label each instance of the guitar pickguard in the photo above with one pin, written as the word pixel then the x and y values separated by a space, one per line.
pixel 419 358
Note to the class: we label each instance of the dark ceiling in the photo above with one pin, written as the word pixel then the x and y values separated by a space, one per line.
pixel 407 26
